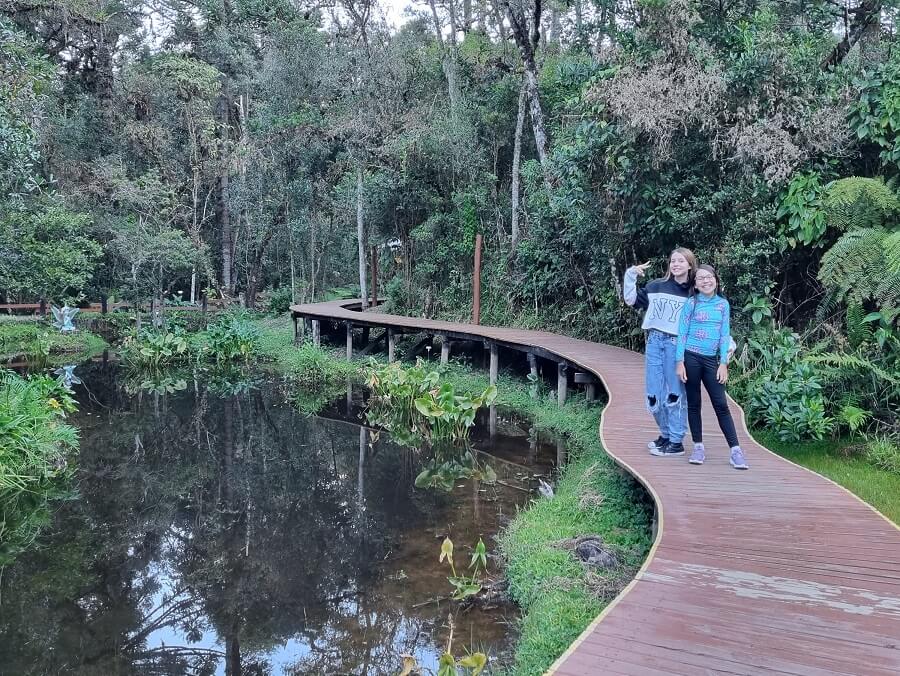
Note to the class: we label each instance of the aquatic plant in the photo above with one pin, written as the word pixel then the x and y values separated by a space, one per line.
pixel 410 400
pixel 448 665
pixel 465 586
pixel 154 350
pixel 451 464
pixel 232 337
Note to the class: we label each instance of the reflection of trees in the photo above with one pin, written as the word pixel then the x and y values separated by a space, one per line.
pixel 206 517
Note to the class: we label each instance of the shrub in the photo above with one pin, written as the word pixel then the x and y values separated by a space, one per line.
pixel 280 301
pixel 885 454
pixel 781 391
pixel 35 440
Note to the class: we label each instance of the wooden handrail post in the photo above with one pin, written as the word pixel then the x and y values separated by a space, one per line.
pixel 476 284
pixel 349 341
pixel 374 276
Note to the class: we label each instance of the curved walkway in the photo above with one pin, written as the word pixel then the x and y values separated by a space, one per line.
pixel 772 571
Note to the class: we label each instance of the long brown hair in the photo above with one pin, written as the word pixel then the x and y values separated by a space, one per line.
pixel 689 257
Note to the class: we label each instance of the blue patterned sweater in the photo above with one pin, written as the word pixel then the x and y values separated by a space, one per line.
pixel 704 328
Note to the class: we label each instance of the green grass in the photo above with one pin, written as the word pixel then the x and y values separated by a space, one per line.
pixel 845 466
pixel 558 597
pixel 31 338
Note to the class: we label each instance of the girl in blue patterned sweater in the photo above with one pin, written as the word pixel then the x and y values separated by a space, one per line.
pixel 701 356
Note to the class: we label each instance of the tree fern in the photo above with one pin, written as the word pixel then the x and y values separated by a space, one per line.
pixel 861 267
pixel 855 202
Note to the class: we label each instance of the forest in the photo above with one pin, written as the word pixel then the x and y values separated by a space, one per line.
pixel 242 156
pixel 179 149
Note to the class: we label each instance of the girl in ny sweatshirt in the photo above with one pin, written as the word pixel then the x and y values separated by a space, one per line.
pixel 662 300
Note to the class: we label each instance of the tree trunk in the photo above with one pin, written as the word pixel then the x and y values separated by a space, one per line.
pixel 517 157
pixel 361 236
pixel 537 117
pixel 868 12
pixel 313 245
pixel 527 36
pixel 223 216
pixel 255 271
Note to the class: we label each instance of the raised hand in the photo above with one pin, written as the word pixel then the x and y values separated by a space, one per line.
pixel 642 268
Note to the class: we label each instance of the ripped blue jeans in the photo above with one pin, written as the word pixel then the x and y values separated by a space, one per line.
pixel 665 392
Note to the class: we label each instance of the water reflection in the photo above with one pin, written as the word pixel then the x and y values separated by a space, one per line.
pixel 220 531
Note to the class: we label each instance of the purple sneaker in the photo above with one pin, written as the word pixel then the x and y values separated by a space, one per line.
pixel 698 456
pixel 737 458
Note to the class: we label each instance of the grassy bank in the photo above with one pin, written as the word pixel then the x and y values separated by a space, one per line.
pixel 844 465
pixel 559 597
pixel 36 339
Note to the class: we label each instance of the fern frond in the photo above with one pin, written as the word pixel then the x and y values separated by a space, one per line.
pixel 849 361
pixel 858 330
pixel 856 202
pixel 856 269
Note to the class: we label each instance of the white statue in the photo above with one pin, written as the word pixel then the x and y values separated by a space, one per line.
pixel 66 376
pixel 62 318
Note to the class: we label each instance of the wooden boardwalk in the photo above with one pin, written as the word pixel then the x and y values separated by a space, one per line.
pixel 776 570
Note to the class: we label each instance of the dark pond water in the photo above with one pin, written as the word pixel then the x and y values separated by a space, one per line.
pixel 218 531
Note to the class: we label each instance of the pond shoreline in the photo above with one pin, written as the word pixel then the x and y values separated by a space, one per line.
pixel 558 595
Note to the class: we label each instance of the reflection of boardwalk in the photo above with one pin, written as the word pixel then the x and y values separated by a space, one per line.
pixel 776 570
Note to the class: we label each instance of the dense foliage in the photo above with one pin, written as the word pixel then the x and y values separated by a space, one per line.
pixel 230 147
pixel 36 444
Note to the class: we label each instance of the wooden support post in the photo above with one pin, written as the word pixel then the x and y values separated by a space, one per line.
pixel 495 363
pixel 392 344
pixel 562 383
pixel 560 451
pixel 307 326
pixel 533 370
pixel 296 330
pixel 589 382
pixel 476 283
pixel 203 307
pixel 317 332
pixel 445 350
pixel 104 304
pixel 492 421
pixel 42 308
pixel 349 341
pixel 374 276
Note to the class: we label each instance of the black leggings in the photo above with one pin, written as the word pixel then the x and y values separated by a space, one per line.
pixel 701 368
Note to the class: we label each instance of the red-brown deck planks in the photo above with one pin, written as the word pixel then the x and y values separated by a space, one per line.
pixel 775 570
